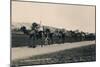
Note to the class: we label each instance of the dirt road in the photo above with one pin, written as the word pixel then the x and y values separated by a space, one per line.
pixel 25 52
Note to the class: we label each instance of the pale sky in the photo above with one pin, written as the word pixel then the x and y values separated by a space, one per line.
pixel 70 17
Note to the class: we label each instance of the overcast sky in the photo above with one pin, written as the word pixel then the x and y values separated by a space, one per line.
pixel 71 17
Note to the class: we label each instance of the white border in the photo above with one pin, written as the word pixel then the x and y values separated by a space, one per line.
pixel 5 33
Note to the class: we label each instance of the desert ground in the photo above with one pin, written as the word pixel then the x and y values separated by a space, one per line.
pixel 56 53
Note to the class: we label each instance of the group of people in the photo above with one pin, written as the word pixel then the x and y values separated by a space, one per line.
pixel 46 37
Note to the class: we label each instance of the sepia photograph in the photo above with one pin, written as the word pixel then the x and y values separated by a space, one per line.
pixel 52 33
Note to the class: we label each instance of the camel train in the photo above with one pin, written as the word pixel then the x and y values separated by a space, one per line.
pixel 47 37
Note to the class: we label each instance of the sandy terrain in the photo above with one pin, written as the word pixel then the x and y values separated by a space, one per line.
pixel 25 52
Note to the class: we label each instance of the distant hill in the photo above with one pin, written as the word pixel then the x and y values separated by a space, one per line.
pixel 28 26
pixel 18 25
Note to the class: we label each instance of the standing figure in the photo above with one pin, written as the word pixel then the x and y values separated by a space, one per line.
pixel 47 36
pixel 34 35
